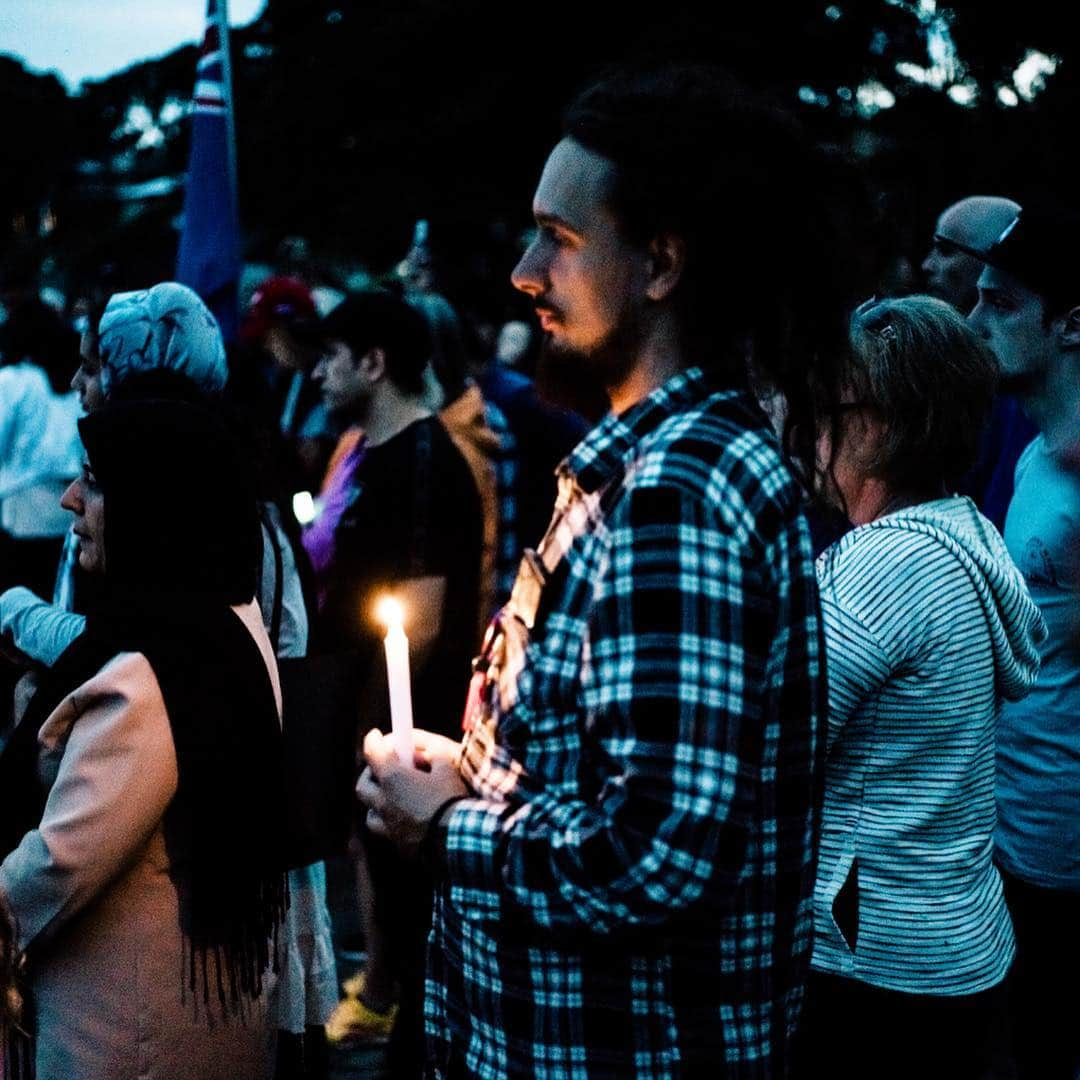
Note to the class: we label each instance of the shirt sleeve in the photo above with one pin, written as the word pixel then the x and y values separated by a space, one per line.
pixel 42 631
pixel 856 664
pixel 682 633
pixel 116 776
pixel 886 607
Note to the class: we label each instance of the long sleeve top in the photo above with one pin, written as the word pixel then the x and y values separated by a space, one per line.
pixel 928 626
pixel 93 896
pixel 627 893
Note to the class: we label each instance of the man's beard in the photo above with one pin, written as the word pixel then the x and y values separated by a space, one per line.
pixel 604 364
pixel 1019 385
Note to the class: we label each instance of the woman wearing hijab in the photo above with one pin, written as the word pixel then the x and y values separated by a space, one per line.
pixel 165 328
pixel 149 896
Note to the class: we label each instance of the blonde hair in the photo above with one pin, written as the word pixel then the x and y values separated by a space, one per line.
pixel 932 380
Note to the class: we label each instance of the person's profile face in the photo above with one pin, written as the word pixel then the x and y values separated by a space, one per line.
pixel 949 273
pixel 86 501
pixel 340 378
pixel 87 380
pixel 1010 319
pixel 846 449
pixel 586 280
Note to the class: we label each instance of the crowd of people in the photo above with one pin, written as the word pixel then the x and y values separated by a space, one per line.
pixel 761 763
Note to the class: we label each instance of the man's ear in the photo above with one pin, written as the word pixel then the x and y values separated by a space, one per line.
pixel 667 260
pixel 373 363
pixel 1069 335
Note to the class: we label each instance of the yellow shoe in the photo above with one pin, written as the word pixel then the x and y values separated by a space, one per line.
pixel 354 987
pixel 353 1022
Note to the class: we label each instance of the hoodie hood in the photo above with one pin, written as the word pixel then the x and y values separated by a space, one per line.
pixel 1016 626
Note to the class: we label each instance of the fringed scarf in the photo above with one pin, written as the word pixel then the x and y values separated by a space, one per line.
pixel 12 1049
pixel 181 543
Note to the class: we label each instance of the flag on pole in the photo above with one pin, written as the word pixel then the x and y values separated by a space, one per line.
pixel 209 256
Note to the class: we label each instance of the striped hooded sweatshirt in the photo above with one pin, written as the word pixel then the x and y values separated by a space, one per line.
pixel 928 626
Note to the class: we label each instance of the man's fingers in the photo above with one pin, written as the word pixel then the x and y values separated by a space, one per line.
pixel 432 746
pixel 375 823
pixel 369 792
pixel 423 739
pixel 377 750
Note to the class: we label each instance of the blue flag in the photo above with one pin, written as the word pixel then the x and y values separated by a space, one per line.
pixel 209 255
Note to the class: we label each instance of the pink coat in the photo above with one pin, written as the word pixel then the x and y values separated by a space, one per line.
pixel 91 893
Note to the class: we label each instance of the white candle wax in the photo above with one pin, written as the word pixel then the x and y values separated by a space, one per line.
pixel 397 673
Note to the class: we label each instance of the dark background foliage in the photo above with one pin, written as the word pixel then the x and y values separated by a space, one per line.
pixel 355 119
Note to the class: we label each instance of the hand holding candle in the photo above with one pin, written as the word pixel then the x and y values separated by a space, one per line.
pixel 403 801
pixel 397 672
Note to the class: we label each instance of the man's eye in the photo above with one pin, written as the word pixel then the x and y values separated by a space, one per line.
pixel 944 247
pixel 555 236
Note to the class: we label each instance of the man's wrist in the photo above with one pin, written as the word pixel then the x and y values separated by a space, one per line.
pixel 429 845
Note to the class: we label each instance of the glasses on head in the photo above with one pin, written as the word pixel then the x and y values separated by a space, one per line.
pixel 882 325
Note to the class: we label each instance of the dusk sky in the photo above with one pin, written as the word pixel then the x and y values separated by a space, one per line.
pixel 80 39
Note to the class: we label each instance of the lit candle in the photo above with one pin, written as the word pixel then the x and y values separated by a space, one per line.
pixel 397 672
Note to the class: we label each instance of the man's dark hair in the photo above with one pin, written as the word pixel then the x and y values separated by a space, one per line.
pixel 377 318
pixel 766 280
pixel 1037 249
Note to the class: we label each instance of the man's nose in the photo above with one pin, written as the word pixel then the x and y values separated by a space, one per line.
pixel 528 275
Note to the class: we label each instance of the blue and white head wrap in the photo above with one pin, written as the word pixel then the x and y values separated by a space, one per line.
pixel 167 326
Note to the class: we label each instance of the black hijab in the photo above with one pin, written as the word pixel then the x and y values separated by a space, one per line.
pixel 181 546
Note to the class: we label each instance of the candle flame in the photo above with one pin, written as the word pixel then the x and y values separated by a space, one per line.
pixel 390 613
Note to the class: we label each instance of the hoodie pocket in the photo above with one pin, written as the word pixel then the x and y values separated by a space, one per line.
pixel 845 907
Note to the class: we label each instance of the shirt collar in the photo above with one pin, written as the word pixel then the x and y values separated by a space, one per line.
pixel 603 452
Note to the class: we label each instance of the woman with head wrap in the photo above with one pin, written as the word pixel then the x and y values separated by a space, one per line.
pixel 150 895
pixel 166 328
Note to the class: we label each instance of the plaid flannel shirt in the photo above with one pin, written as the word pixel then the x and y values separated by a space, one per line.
pixel 628 891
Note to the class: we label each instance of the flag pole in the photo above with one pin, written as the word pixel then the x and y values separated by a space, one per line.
pixel 227 86
pixel 208 257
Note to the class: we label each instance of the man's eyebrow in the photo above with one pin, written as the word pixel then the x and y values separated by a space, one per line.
pixel 543 218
